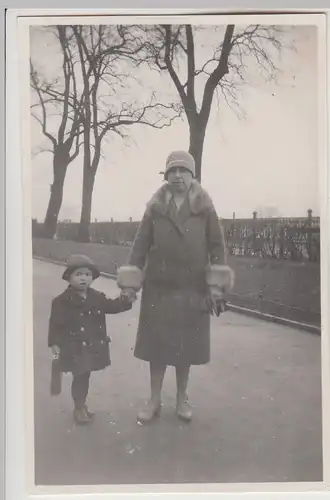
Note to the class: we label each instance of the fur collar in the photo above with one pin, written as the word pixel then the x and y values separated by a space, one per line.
pixel 199 200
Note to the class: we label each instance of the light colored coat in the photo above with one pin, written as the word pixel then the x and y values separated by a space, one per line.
pixel 174 249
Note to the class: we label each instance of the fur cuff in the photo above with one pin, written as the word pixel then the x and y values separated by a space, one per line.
pixel 129 277
pixel 220 276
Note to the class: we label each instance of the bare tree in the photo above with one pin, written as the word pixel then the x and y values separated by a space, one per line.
pixel 84 102
pixel 58 98
pixel 172 49
pixel 103 51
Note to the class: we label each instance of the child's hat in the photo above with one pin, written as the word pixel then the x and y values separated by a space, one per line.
pixel 76 261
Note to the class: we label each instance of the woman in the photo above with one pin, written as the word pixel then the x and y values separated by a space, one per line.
pixel 179 259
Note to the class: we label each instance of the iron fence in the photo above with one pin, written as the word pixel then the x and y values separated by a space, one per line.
pixel 296 238
pixel 281 238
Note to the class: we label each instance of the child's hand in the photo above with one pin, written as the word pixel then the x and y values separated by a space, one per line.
pixel 55 350
pixel 128 294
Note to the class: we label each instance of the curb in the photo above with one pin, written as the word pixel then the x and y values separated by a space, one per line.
pixel 237 309
pixel 275 319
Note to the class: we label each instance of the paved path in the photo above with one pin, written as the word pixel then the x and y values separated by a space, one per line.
pixel 257 407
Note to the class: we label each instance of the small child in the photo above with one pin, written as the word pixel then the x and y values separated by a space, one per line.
pixel 77 329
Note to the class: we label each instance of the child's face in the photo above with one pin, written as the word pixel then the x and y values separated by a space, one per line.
pixel 81 278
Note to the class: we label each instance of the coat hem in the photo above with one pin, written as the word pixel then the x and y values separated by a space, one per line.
pixel 148 359
pixel 85 371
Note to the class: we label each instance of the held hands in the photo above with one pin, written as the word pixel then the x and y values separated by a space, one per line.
pixel 128 295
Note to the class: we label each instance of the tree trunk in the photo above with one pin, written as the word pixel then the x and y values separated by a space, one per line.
pixel 60 166
pixel 197 136
pixel 86 208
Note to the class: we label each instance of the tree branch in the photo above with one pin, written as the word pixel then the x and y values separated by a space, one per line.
pixel 77 149
pixel 67 78
pixel 138 116
pixel 43 122
pixel 170 68
pixel 190 54
pixel 220 71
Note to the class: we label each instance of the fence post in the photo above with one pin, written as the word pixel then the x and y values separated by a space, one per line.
pixel 282 241
pixel 309 233
pixel 261 301
pixel 232 234
pixel 254 232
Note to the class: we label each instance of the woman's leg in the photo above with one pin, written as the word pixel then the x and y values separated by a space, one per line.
pixel 182 377
pixel 157 372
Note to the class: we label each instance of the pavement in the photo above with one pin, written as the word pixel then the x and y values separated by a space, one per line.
pixel 257 407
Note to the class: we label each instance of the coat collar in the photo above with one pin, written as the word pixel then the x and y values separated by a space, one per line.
pixel 70 295
pixel 199 200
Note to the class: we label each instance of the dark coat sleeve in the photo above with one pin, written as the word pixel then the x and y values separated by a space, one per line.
pixel 113 306
pixel 55 327
pixel 142 242
pixel 215 239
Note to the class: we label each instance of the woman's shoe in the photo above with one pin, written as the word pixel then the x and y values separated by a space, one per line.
pixel 89 413
pixel 183 410
pixel 149 413
pixel 80 416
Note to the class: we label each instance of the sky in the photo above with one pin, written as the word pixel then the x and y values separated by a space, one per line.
pixel 266 159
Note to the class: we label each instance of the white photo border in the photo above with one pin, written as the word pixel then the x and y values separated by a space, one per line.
pixel 19 362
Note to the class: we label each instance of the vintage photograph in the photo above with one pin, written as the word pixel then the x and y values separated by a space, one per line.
pixel 176 250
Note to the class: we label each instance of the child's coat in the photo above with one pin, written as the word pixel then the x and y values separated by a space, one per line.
pixel 78 327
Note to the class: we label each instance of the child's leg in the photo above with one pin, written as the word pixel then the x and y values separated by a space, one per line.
pixel 79 389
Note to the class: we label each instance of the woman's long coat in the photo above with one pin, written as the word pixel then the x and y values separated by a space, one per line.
pixel 78 327
pixel 174 248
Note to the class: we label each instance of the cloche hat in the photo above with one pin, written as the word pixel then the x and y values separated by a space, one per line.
pixel 180 159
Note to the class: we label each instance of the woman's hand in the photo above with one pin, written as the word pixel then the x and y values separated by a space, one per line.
pixel 217 303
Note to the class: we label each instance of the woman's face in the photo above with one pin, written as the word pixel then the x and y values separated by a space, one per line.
pixel 179 178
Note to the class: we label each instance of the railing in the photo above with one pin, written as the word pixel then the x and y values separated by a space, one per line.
pixel 297 239
pixel 282 238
